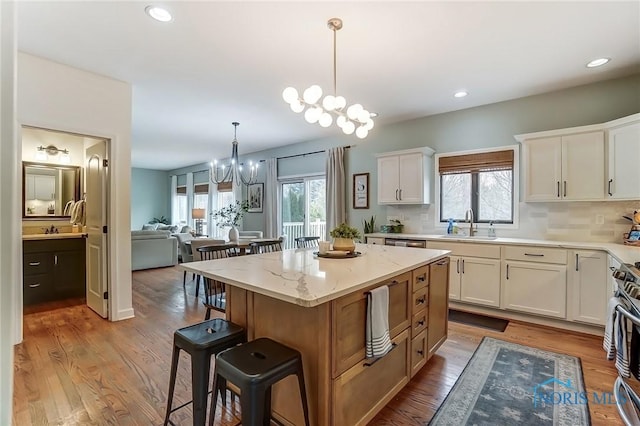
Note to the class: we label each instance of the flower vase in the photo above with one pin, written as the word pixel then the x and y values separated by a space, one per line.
pixel 233 234
pixel 344 244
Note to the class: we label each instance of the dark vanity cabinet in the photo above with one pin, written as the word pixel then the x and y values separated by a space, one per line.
pixel 54 269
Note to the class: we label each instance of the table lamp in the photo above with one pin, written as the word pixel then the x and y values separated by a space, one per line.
pixel 198 215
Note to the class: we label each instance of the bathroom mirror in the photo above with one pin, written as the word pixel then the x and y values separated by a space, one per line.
pixel 49 190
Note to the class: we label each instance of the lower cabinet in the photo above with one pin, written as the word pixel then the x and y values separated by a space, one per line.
pixel 438 305
pixel 535 288
pixel 53 269
pixel 589 286
pixel 480 281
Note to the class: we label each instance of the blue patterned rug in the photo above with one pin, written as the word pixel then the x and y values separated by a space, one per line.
pixel 509 384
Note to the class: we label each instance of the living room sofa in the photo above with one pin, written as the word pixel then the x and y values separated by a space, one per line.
pixel 153 249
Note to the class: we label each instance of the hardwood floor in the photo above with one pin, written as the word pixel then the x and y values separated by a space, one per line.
pixel 74 368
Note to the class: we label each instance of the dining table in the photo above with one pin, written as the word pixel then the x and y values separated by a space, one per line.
pixel 243 244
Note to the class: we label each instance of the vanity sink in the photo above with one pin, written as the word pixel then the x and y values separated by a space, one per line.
pixel 466 237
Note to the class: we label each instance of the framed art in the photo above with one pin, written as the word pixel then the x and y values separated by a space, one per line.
pixel 255 196
pixel 361 191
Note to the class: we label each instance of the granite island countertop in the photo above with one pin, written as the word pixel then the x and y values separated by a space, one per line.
pixel 298 276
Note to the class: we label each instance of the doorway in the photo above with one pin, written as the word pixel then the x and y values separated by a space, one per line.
pixel 303 208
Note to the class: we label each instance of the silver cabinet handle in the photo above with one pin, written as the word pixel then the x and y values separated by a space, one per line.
pixel 55 259
pixel 577 261
pixel 34 263
pixel 34 285
pixel 609 189
pixel 534 254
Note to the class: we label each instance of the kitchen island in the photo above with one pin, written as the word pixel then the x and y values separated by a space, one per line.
pixel 318 306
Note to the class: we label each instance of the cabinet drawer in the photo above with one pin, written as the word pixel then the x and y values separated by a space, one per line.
pixel 364 389
pixel 420 277
pixel 375 240
pixel 491 251
pixel 536 254
pixel 419 300
pixel 418 352
pixel 419 323
pixel 37 263
pixel 349 315
pixel 37 288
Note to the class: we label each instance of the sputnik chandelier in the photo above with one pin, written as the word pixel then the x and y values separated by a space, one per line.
pixel 233 172
pixel 347 118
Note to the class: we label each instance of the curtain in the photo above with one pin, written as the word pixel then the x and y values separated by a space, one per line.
pixel 271 199
pixel 213 206
pixel 190 221
pixel 174 200
pixel 336 207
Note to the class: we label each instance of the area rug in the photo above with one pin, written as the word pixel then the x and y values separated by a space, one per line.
pixel 476 320
pixel 507 384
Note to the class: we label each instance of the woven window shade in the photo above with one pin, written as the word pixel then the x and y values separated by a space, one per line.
pixel 181 190
pixel 201 188
pixel 481 162
pixel 225 187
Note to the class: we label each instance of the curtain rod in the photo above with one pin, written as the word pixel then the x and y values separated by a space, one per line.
pixel 309 153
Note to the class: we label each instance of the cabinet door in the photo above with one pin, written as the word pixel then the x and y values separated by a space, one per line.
pixel 69 273
pixel 45 187
pixel 624 158
pixel 583 166
pixel 438 305
pixel 536 288
pixel 589 283
pixel 388 180
pixel 480 281
pixel 30 187
pixel 543 162
pixel 454 277
pixel 411 178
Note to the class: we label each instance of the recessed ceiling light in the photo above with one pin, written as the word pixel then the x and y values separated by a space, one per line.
pixel 598 62
pixel 460 94
pixel 158 13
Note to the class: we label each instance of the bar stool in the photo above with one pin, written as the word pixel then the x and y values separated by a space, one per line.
pixel 254 367
pixel 201 341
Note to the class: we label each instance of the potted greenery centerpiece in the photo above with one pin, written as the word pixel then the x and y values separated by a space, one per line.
pixel 231 216
pixel 343 237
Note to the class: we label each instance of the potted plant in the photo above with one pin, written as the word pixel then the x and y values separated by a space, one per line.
pixel 51 209
pixel 343 237
pixel 231 216
pixel 369 226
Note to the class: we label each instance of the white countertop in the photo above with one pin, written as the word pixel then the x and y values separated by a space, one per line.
pixel 297 276
pixel 624 253
pixel 54 236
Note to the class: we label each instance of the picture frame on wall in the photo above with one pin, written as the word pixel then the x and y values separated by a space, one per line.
pixel 361 191
pixel 255 196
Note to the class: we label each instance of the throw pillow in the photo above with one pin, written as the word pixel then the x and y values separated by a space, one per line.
pixel 149 226
pixel 171 228
pixel 185 229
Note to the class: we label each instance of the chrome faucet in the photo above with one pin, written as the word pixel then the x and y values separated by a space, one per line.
pixel 468 216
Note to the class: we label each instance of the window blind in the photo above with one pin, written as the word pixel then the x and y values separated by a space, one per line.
pixel 225 187
pixel 181 190
pixel 480 162
pixel 201 188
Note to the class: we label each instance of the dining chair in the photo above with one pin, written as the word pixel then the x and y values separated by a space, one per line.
pixel 266 246
pixel 197 243
pixel 307 242
pixel 214 290
pixel 186 255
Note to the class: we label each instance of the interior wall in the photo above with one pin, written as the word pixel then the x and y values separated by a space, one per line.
pixel 58 97
pixel 150 196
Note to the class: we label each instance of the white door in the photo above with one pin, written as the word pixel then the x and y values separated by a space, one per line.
pixel 542 169
pixel 480 281
pixel 582 166
pixel 624 158
pixel 536 288
pixel 411 178
pixel 589 285
pixel 388 180
pixel 96 220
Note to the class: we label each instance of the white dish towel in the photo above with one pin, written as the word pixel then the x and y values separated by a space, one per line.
pixel 378 342
pixel 620 339
pixel 608 343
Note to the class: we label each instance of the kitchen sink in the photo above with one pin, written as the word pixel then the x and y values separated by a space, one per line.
pixel 466 237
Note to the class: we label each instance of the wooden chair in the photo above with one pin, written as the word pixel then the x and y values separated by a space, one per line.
pixel 214 291
pixel 197 243
pixel 266 246
pixel 307 242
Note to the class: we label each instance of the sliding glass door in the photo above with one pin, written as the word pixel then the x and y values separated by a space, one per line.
pixel 303 208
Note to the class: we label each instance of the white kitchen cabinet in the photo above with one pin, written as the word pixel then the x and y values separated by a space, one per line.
pixel 403 176
pixel 454 277
pixel 535 288
pixel 589 286
pixel 567 167
pixel 40 187
pixel 623 161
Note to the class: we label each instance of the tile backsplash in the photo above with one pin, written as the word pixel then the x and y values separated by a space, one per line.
pixel 567 221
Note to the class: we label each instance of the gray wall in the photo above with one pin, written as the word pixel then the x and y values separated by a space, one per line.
pixel 150 196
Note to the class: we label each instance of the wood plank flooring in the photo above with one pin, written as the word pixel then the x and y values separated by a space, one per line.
pixel 74 368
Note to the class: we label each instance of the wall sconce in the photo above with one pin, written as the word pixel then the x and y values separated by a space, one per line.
pixel 198 215
pixel 43 153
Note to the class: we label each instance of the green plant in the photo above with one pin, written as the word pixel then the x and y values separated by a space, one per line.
pixel 370 226
pixel 232 214
pixel 160 219
pixel 345 231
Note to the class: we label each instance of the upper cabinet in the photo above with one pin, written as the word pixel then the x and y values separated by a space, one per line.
pixel 403 176
pixel 573 165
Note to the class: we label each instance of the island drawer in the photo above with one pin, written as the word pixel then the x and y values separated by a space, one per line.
pixel 355 391
pixel 419 323
pixel 490 251
pixel 420 277
pixel 536 254
pixel 36 288
pixel 418 352
pixel 349 315
pixel 419 300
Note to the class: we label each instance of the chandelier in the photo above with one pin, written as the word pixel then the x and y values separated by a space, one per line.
pixel 233 171
pixel 347 118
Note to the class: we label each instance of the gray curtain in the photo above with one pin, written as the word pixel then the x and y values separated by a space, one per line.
pixel 271 199
pixel 336 207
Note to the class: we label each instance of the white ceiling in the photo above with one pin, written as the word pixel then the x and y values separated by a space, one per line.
pixel 219 62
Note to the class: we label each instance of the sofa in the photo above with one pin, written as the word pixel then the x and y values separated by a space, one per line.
pixel 153 249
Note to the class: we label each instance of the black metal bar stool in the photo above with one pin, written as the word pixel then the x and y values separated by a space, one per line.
pixel 201 341
pixel 254 367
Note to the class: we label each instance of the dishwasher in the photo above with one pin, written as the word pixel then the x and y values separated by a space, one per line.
pixel 403 242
